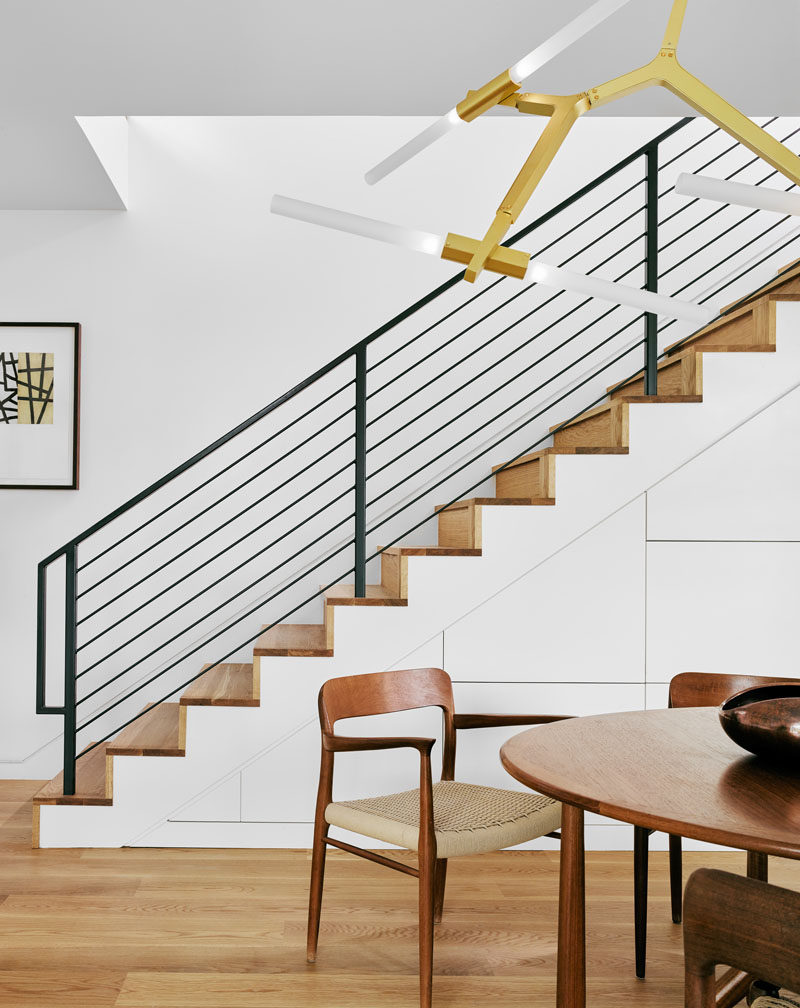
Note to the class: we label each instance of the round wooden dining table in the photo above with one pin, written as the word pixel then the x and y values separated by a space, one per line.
pixel 669 770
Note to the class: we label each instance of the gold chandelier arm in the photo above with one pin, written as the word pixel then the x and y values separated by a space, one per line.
pixel 674 25
pixel 564 111
pixel 636 80
pixel 708 103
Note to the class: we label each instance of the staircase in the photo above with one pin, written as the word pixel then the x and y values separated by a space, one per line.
pixel 523 485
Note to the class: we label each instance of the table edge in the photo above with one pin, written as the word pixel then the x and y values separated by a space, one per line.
pixel 677 827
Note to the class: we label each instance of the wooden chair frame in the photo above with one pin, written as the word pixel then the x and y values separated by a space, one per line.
pixel 745 924
pixel 385 693
pixel 687 689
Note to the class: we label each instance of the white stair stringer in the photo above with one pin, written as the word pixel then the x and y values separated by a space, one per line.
pixel 147 790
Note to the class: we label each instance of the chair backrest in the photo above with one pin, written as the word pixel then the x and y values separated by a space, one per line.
pixel 710 689
pixel 385 693
pixel 766 941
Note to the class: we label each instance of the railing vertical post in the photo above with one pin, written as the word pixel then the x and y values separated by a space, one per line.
pixel 651 271
pixel 361 474
pixel 41 637
pixel 70 633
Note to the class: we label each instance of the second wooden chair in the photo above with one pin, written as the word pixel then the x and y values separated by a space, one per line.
pixel 687 689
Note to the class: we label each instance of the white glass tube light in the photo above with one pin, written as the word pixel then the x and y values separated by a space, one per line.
pixel 757 197
pixel 617 293
pixel 366 227
pixel 543 53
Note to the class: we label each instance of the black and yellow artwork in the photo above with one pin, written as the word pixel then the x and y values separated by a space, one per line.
pixel 26 387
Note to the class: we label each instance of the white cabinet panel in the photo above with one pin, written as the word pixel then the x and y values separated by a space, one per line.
pixel 478 758
pixel 746 486
pixel 220 804
pixel 577 617
pixel 656 696
pixel 722 607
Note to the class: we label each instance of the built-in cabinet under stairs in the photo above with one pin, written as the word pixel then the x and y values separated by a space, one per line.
pixel 528 482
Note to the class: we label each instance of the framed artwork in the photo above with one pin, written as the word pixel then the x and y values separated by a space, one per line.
pixel 39 405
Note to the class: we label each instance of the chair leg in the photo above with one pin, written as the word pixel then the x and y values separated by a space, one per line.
pixel 438 892
pixel 757 866
pixel 318 852
pixel 427 888
pixel 641 844
pixel 676 877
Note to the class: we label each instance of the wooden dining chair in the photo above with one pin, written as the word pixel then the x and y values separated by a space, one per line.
pixel 437 821
pixel 687 689
pixel 747 925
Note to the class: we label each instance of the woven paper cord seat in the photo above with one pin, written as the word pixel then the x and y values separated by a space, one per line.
pixel 468 818
pixel 771 1002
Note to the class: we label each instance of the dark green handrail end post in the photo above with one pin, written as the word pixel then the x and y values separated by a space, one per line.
pixel 651 271
pixel 41 636
pixel 70 633
pixel 360 484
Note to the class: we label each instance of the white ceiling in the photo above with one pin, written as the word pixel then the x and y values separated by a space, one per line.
pixel 367 57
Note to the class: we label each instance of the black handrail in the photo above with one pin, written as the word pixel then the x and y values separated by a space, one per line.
pixel 351 352
pixel 356 416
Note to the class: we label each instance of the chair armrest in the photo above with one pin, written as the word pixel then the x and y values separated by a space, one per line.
pixel 504 720
pixel 750 925
pixel 343 743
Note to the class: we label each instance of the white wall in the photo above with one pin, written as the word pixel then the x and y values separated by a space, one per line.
pixel 198 308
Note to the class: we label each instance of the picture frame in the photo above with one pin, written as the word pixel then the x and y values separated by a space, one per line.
pixel 40 405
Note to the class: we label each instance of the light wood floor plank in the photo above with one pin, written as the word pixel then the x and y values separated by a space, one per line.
pixel 140 928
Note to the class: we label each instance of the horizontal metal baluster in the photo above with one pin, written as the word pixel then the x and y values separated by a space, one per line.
pixel 720 234
pixel 228 600
pixel 435 325
pixel 220 528
pixel 525 290
pixel 242 616
pixel 766 231
pixel 689 149
pixel 718 290
pixel 719 210
pixel 221 500
pixel 733 174
pixel 477 430
pixel 505 437
pixel 227 468
pixel 513 405
pixel 478 349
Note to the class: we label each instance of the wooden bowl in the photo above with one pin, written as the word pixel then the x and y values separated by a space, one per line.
pixel 765 720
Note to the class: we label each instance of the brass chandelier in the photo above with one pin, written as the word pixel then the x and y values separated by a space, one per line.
pixel 563 111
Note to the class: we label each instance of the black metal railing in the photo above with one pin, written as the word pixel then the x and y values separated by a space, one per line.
pixel 353 455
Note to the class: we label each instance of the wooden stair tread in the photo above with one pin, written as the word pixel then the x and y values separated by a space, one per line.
pixel 524 459
pixel 496 502
pixel 435 551
pixel 787 273
pixel 376 595
pixel 157 732
pixel 747 315
pixel 565 450
pixel 668 363
pixel 633 399
pixel 604 407
pixel 91 786
pixel 293 640
pixel 226 685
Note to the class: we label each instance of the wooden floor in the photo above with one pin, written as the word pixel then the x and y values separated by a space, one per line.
pixel 138 928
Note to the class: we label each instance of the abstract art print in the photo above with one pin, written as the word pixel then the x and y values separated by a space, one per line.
pixel 8 391
pixel 35 383
pixel 39 405
pixel 28 387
